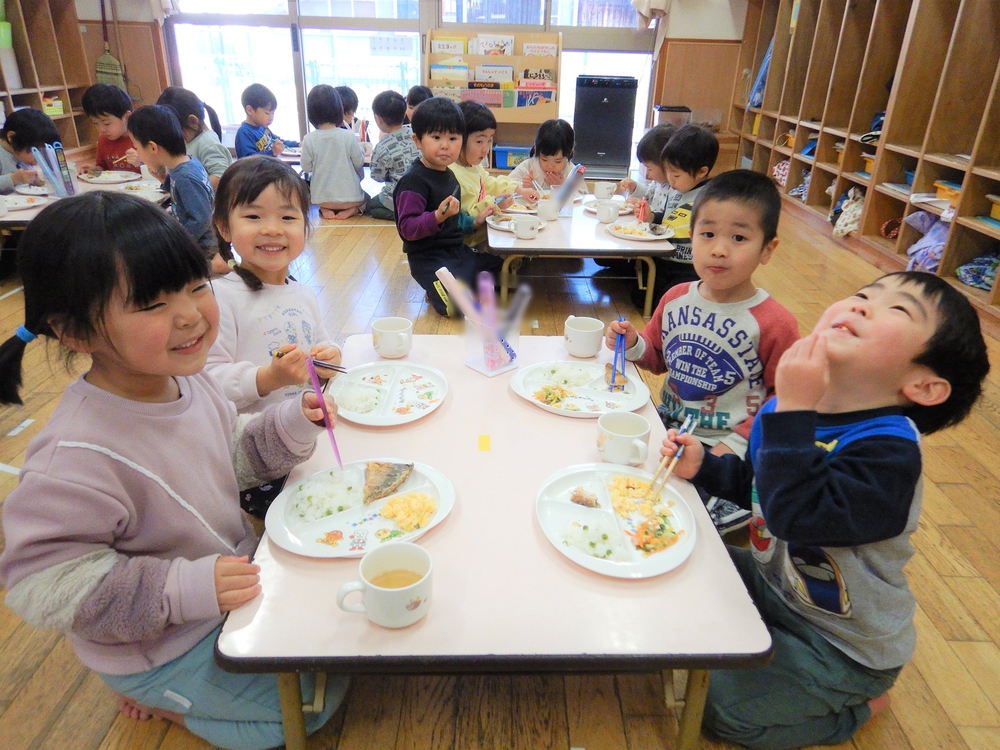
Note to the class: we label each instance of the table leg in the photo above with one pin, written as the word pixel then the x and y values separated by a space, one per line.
pixel 505 276
pixel 647 310
pixel 689 729
pixel 290 692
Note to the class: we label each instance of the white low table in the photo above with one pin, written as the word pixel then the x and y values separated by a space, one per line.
pixel 21 219
pixel 505 600
pixel 581 236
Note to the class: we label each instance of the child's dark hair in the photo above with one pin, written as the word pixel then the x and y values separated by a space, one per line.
pixel 691 148
pixel 28 127
pixel 749 188
pixel 418 94
pixel 324 106
pixel 186 105
pixel 349 98
pixel 437 115
pixel 242 183
pixel 553 137
pixel 158 124
pixel 72 258
pixel 258 96
pixel 478 117
pixel 955 351
pixel 651 144
pixel 391 107
pixel 105 99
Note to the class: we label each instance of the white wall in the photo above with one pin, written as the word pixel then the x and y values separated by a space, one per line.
pixel 128 10
pixel 705 19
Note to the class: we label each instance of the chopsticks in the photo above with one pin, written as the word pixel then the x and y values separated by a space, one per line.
pixel 322 405
pixel 660 477
pixel 318 363
pixel 619 357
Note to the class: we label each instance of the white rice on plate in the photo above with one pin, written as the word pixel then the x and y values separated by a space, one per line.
pixel 596 538
pixel 567 373
pixel 325 494
pixel 358 399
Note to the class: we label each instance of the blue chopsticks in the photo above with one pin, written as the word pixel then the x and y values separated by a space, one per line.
pixel 619 357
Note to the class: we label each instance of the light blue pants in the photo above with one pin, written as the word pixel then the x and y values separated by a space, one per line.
pixel 234 711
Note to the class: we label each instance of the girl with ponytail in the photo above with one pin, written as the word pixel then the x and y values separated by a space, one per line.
pixel 203 143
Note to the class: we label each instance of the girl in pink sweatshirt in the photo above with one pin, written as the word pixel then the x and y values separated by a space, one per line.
pixel 125 531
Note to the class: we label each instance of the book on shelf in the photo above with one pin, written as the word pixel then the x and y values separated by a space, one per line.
pixel 494 72
pixel 491 85
pixel 489 97
pixel 539 74
pixel 452 45
pixel 531 97
pixel 492 44
pixel 448 92
pixel 540 49
pixel 532 83
pixel 449 72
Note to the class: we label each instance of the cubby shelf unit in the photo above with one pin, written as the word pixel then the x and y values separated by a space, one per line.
pixel 933 66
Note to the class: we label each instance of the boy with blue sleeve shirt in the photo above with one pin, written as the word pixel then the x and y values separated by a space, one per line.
pixel 833 477
pixel 254 135
pixel 157 136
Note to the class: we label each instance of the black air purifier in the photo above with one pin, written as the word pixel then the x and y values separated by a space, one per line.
pixel 602 121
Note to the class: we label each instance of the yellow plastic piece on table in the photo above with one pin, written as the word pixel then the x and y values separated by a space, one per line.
pixel 484 442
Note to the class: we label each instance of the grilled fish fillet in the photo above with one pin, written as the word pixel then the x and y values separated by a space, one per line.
pixel 620 379
pixel 382 478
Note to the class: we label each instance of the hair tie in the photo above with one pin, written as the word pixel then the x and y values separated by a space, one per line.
pixel 25 335
pixel 231 263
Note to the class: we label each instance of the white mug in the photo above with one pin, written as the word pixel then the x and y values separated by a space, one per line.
pixel 583 337
pixel 146 174
pixel 548 210
pixel 607 211
pixel 392 337
pixel 391 607
pixel 604 190
pixel 525 227
pixel 623 438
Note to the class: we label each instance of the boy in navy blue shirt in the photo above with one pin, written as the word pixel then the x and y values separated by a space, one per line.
pixel 254 135
pixel 159 140
pixel 832 476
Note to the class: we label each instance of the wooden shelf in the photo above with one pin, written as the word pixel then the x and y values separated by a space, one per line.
pixel 855 177
pixel 828 166
pixel 888 246
pixel 902 197
pixel 807 159
pixel 783 150
pixel 992 173
pixel 839 132
pixel 899 148
pixel 789 118
pixel 948 160
pixel 980 226
pixel 809 124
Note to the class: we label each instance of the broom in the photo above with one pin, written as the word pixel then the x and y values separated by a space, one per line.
pixel 109 70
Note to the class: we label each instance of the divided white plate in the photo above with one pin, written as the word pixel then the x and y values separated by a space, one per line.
pixel 644 236
pixel 111 177
pixel 396 392
pixel 590 206
pixel 590 399
pixel 352 532
pixel 143 186
pixel 292 151
pixel 504 225
pixel 33 189
pixel 571 528
pixel 22 202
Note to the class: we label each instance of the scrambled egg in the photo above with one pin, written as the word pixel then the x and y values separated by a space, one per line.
pixel 625 491
pixel 411 511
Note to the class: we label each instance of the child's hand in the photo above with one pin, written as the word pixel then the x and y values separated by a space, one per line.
pixel 277 148
pixel 310 407
pixel 528 181
pixel 329 354
pixel 803 374
pixel 481 218
pixel 627 185
pixel 554 178
pixel 449 207
pixel 288 367
pixel 529 194
pixel 26 177
pixel 236 582
pixel 132 157
pixel 633 201
pixel 611 337
pixel 506 202
pixel 693 456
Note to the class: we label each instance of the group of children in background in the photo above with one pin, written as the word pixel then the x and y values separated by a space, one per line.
pixel 827 472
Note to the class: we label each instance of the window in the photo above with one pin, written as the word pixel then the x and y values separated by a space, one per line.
pixel 218 62
pixel 368 61
pixel 260 7
pixel 406 9
pixel 492 11
pixel 603 13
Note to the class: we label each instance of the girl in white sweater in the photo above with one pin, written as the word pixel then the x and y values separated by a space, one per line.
pixel 125 532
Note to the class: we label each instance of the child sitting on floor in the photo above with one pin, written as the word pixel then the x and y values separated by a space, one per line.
pixel 479 189
pixel 203 142
pixel 657 188
pixel 254 135
pixel 333 156
pixel 833 478
pixel 23 130
pixel 124 532
pixel 414 96
pixel 393 154
pixel 428 200
pixel 549 163
pixel 719 339
pixel 108 108
pixel 349 98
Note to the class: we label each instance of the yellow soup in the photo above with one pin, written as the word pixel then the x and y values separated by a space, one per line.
pixel 396 579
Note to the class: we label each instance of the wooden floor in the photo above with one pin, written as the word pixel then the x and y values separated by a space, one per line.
pixel 948 697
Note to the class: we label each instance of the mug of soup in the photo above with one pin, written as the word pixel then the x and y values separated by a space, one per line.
pixel 395 585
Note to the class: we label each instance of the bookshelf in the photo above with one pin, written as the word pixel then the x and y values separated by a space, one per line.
pixel 51 62
pixel 933 66
pixel 515 125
